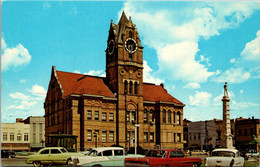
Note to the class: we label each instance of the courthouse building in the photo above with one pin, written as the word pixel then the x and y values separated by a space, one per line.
pixel 111 107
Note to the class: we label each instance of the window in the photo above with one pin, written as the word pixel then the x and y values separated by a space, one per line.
pixel 111 117
pixel 126 87
pixel 26 137
pixel 19 137
pixel 89 135
pixel 199 136
pixel 96 115
pixel 169 117
pixel 178 137
pixel 131 87
pixel 130 57
pixel 145 116
pixel 34 127
pixel 251 132
pixel 127 116
pixel 133 116
pixel 194 136
pixel 118 152
pixel 4 136
pixel 89 115
pixel 104 117
pixel 104 136
pixel 55 151
pixel 136 88
pixel 174 121
pixel 12 137
pixel 174 137
pixel 45 151
pixel 34 138
pixel 245 132
pixel 179 118
pixel 145 136
pixel 240 132
pixel 111 136
pixel 151 136
pixel 107 153
pixel 40 126
pixel 130 34
pixel 164 116
pixel 151 116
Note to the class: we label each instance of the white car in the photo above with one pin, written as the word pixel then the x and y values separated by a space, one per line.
pixel 225 157
pixel 100 154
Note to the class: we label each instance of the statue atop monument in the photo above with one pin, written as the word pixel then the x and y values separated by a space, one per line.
pixel 225 89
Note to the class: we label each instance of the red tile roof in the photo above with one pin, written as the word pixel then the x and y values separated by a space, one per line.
pixel 73 83
pixel 153 92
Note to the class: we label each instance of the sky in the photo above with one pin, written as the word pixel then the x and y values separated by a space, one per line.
pixel 191 47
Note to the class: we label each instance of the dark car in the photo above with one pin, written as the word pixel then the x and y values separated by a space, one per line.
pixel 7 154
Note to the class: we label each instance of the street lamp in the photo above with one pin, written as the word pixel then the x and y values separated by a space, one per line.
pixel 136 125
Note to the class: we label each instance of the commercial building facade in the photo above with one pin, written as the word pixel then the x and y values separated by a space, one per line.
pixel 15 136
pixel 105 111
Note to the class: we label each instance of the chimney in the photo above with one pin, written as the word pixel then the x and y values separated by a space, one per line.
pixel 19 120
pixel 162 85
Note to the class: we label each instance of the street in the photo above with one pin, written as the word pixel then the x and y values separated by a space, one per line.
pixel 14 162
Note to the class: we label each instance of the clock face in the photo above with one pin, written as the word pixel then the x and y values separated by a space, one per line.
pixel 130 45
pixel 111 46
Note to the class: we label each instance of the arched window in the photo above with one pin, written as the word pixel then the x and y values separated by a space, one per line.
pixel 164 116
pixel 174 121
pixel 136 88
pixel 19 137
pixel 130 87
pixel 145 116
pixel 151 116
pixel 125 89
pixel 178 118
pixel 169 116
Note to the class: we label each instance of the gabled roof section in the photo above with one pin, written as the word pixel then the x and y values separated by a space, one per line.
pixel 73 83
pixel 157 93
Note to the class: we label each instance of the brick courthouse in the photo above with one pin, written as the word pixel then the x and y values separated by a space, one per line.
pixel 83 105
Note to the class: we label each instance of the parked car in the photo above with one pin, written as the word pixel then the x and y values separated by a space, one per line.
pixel 51 155
pixel 103 156
pixel 163 157
pixel 7 154
pixel 252 153
pixel 225 157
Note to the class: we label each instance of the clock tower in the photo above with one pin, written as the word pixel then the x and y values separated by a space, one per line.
pixel 124 74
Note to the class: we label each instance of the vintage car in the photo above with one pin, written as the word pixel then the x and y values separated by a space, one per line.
pixel 252 153
pixel 51 155
pixel 163 157
pixel 103 156
pixel 225 157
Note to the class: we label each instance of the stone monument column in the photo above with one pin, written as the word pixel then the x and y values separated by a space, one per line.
pixel 228 143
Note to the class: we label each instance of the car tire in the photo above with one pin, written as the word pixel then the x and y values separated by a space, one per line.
pixel 69 162
pixel 194 165
pixel 96 165
pixel 37 163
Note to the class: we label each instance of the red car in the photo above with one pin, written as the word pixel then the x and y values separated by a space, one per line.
pixel 163 157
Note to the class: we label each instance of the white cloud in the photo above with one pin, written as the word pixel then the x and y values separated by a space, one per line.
pixel 77 71
pixel 176 39
pixel 96 73
pixel 252 49
pixel 192 85
pixel 242 105
pixel 233 75
pixel 19 96
pixel 232 60
pixel 14 57
pixel 241 91
pixel 38 90
pixel 22 80
pixel 148 75
pixel 179 58
pixel 200 99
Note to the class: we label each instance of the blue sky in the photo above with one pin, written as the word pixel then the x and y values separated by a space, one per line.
pixel 191 47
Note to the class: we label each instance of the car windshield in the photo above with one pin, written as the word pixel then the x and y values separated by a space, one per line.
pixel 156 153
pixel 223 153
pixel 63 150
pixel 92 153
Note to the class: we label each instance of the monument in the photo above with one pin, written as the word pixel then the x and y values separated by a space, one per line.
pixel 228 143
